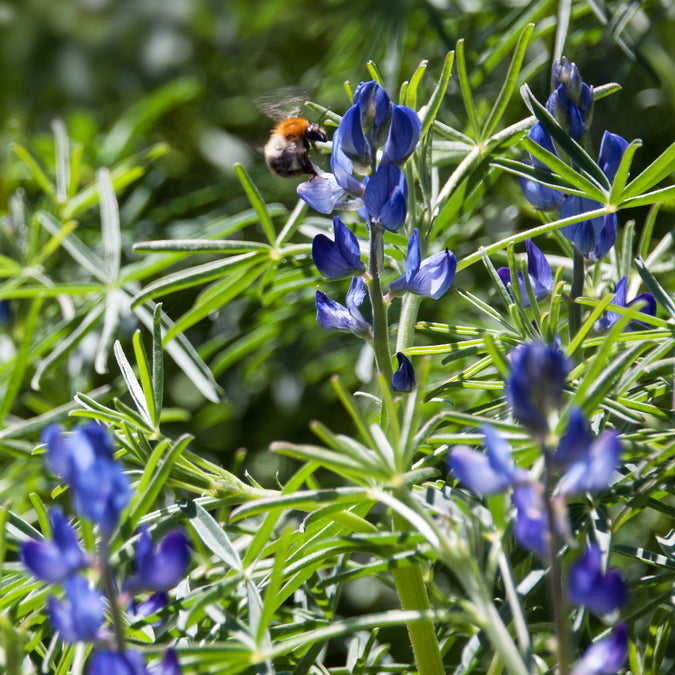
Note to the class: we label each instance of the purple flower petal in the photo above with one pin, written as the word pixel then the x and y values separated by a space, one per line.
pixel 79 618
pixel 404 135
pixel 605 657
pixel 339 258
pixel 386 197
pixel 161 567
pixel 113 663
pixel 169 664
pixel 611 152
pixel 531 527
pixel 588 586
pixel 575 442
pixel 404 378
pixel 331 314
pixel 353 141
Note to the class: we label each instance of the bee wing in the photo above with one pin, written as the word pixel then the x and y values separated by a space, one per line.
pixel 282 103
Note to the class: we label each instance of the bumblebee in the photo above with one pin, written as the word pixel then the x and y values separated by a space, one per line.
pixel 287 151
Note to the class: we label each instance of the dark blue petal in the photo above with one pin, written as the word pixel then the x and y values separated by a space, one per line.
pixel 539 270
pixel 5 312
pixel 412 261
pixel 619 299
pixel 54 561
pixel 353 140
pixel 531 527
pixel 322 193
pixel 375 111
pixel 114 663
pixel 540 196
pixel 589 587
pixel 575 442
pixel 331 314
pixel 339 258
pixel 534 388
pixel 386 197
pixel 101 493
pixel 606 237
pixel 141 610
pixel 489 472
pixel 577 123
pixel 58 455
pixel 98 437
pixel 611 151
pixel 169 664
pixel 593 471
pixel 591 237
pixel 404 378
pixel 605 657
pixel 161 567
pixel 80 617
pixel 342 167
pixel 541 137
pixel 649 302
pixel 435 275
pixel 404 135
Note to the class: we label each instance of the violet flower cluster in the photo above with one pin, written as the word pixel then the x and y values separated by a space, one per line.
pixel 579 464
pixel 571 103
pixel 373 141
pixel 100 491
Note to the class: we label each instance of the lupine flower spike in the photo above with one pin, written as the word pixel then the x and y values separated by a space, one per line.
pixel 331 314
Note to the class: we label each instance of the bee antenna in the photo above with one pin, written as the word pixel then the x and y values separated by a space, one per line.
pixel 323 114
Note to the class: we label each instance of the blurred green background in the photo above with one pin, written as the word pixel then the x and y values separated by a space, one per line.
pixel 186 73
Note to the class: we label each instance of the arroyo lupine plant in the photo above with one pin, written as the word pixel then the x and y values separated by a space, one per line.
pixel 538 272
pixel 84 460
pixel 610 318
pixel 340 257
pixel 602 592
pixel 331 314
pixel 54 561
pixel 404 377
pixel 430 277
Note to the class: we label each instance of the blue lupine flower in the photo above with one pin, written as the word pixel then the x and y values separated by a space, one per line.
pixel 574 442
pixel 113 663
pixel 404 378
pixel 85 460
pixel 386 197
pixel 339 258
pixel 54 561
pixel 331 314
pixel 610 318
pixel 595 237
pixel 605 657
pixel 161 567
pixel 541 196
pixel 535 386
pixel 571 102
pixel 5 312
pixel 404 135
pixel 353 140
pixel 588 586
pixel 489 472
pixel 538 271
pixel 154 603
pixel 169 664
pixel 593 470
pixel 80 616
pixel 432 277
pixel 376 110
pixel 531 526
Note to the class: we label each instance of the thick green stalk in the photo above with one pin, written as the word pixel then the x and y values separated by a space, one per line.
pixel 380 326
pixel 407 320
pixel 413 595
pixel 555 580
pixel 109 589
pixel 574 310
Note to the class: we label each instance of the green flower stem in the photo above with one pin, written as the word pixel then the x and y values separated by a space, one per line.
pixel 407 320
pixel 413 595
pixel 577 290
pixel 555 580
pixel 380 326
pixel 109 589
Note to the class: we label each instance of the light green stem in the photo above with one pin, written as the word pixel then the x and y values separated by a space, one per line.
pixel 413 595
pixel 407 320
pixel 380 326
